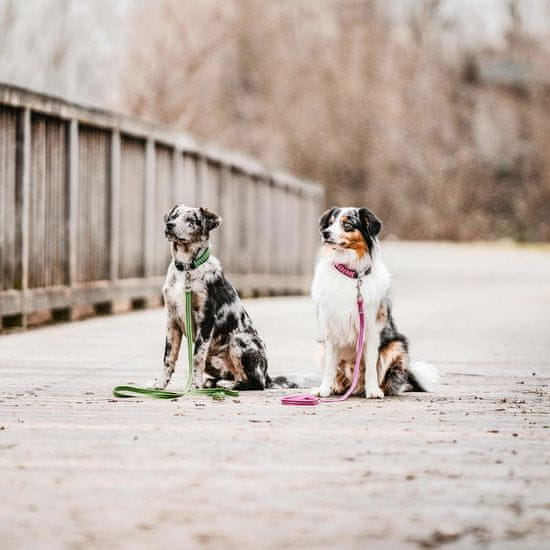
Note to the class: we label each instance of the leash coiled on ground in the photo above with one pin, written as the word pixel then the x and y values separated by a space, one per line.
pixel 134 391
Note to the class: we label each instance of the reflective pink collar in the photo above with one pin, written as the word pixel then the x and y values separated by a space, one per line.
pixel 351 273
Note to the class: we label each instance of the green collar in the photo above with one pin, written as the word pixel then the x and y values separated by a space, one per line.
pixel 198 260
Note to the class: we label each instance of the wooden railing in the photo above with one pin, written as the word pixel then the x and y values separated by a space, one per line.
pixel 83 192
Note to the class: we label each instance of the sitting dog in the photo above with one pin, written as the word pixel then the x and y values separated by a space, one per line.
pixel 227 349
pixel 351 250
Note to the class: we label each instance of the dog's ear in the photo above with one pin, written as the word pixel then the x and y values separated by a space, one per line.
pixel 369 222
pixel 170 212
pixel 210 219
pixel 325 217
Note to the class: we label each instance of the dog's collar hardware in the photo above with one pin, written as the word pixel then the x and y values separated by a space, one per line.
pixel 196 262
pixel 351 273
pixel 188 281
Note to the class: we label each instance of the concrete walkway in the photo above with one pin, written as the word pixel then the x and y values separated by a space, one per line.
pixel 466 467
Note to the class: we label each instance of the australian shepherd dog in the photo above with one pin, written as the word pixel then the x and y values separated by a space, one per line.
pixel 351 252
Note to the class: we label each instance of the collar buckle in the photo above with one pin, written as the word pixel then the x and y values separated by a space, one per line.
pixel 197 261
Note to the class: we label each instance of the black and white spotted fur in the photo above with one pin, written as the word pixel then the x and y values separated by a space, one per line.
pixel 227 349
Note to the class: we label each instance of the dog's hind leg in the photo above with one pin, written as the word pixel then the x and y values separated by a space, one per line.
pixel 393 361
pixel 249 369
pixel 372 342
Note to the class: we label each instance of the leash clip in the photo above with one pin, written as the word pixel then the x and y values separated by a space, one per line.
pixel 188 280
pixel 358 286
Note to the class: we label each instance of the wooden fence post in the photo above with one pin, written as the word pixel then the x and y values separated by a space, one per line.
pixel 177 174
pixel 250 213
pixel 115 204
pixel 25 213
pixel 201 183
pixel 149 208
pixel 73 200
pixel 228 212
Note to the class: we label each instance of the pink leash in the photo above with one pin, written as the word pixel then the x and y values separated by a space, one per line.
pixel 308 400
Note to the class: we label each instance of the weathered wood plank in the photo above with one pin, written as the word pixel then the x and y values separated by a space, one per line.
pixel 114 235
pixel 187 189
pixel 48 203
pixel 94 210
pixel 8 199
pixel 132 208
pixel 210 198
pixel 228 209
pixel 163 194
pixel 25 204
pixel 149 208
pixel 177 175
pixel 264 226
pixel 73 200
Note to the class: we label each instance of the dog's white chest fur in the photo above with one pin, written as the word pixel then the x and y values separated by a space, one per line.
pixel 336 298
pixel 174 287
pixel 175 295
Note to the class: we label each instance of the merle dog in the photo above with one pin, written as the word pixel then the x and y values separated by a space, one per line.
pixel 227 349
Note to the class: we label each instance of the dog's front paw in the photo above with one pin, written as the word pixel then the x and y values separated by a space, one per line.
pixel 374 393
pixel 157 384
pixel 226 384
pixel 325 391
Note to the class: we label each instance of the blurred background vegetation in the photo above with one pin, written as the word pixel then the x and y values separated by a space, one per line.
pixel 434 113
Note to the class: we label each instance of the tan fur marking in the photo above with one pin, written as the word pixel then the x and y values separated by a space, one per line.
pixel 235 365
pixel 392 355
pixel 344 376
pixel 382 314
pixel 197 301
pixel 174 338
pixel 355 241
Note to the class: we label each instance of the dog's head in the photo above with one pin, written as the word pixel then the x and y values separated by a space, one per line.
pixel 349 228
pixel 188 225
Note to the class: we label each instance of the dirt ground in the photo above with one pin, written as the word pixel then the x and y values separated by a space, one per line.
pixel 466 467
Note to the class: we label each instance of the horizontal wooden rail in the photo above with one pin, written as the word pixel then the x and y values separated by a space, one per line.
pixel 83 192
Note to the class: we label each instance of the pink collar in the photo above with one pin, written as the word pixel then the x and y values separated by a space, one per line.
pixel 351 273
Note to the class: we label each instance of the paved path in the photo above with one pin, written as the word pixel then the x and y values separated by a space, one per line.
pixel 466 467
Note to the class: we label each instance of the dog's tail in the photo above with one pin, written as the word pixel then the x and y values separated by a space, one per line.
pixel 423 376
pixel 293 381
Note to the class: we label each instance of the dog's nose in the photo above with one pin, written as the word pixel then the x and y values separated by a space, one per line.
pixel 326 234
pixel 170 226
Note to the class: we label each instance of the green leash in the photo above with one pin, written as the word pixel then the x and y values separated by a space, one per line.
pixel 215 393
